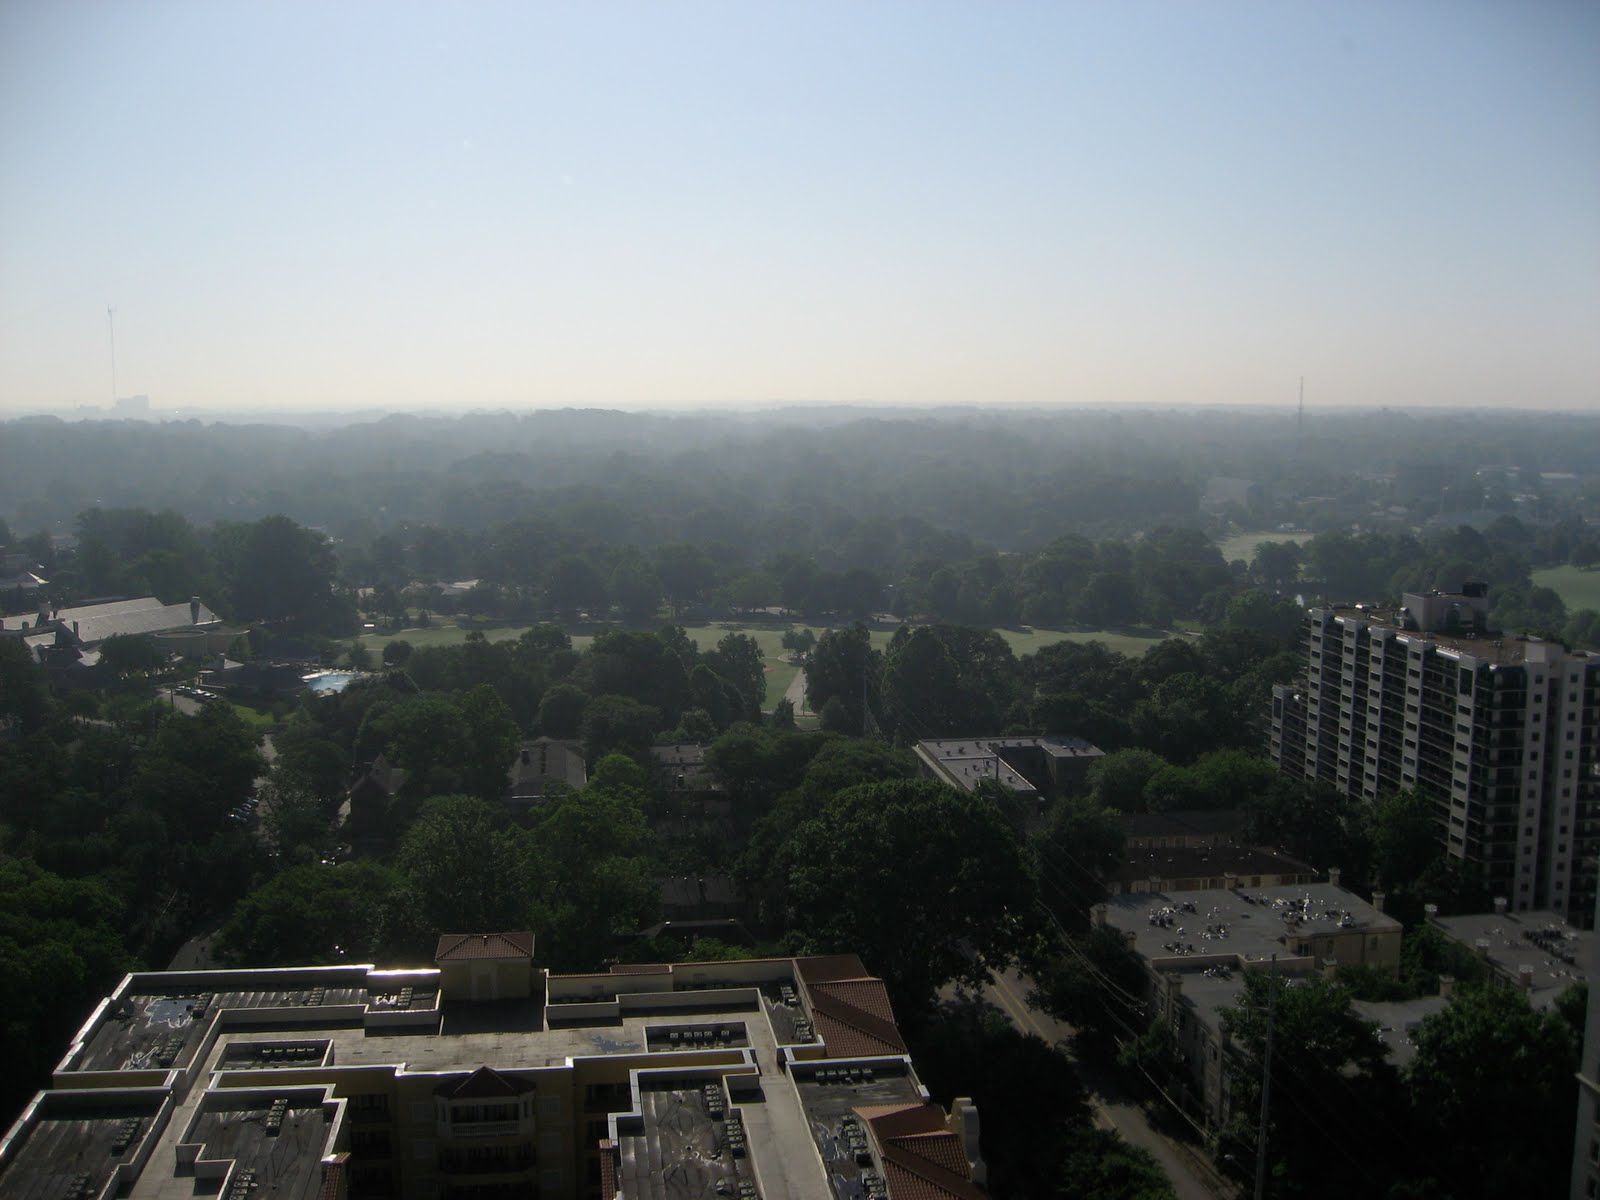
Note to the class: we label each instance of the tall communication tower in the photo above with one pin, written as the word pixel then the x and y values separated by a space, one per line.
pixel 111 326
pixel 1300 422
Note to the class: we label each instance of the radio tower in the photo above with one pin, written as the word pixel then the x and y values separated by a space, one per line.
pixel 111 326
pixel 1300 423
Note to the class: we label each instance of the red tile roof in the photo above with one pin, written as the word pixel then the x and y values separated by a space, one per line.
pixel 853 1018
pixel 458 947
pixel 922 1158
pixel 825 967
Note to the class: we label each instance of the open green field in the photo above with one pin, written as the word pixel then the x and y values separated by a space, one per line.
pixel 1243 545
pixel 1576 587
pixel 446 632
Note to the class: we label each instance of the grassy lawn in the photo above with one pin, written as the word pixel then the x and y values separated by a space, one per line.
pixel 1243 545
pixel 1576 587
pixel 257 720
pixel 447 632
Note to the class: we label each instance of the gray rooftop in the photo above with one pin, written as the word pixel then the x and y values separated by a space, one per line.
pixel 1208 935
pixel 287 1163
pixel 71 1140
pixel 1397 1021
pixel 1552 950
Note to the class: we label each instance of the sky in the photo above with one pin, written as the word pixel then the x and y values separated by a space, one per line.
pixel 699 205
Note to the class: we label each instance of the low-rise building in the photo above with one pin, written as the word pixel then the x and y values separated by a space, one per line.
pixel 539 764
pixel 1041 767
pixel 1189 828
pixel 1195 868
pixel 1539 953
pixel 1197 947
pixel 483 1077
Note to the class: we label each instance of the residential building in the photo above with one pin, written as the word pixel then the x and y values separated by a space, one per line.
pixel 483 1077
pixel 1541 954
pixel 70 637
pixel 1197 947
pixel 1191 828
pixel 1039 767
pixel 1198 868
pixel 1502 733
pixel 539 764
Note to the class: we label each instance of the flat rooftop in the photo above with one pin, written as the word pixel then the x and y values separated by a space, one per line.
pixel 1252 922
pixel 688 1148
pixel 1553 951
pixel 1397 1021
pixel 286 1162
pixel 70 1151
pixel 155 1030
pixel 1205 862
pixel 1499 648
pixel 830 1105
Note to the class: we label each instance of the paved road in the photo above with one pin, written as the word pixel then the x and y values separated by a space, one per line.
pixel 795 694
pixel 1193 1178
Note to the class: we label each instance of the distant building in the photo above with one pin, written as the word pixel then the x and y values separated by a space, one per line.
pixel 482 1076
pixel 539 764
pixel 1540 954
pixel 1197 947
pixel 1191 850
pixel 1191 828
pixel 1198 868
pixel 369 807
pixel 62 638
pixel 1038 767
pixel 1501 733
pixel 1222 491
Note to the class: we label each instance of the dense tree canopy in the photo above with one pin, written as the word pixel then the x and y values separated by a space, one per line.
pixel 923 881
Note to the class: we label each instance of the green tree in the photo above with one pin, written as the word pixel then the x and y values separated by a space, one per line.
pixel 314 915
pixel 839 670
pixel 275 570
pixel 636 588
pixel 575 584
pixel 1405 837
pixel 737 659
pixel 859 874
pixel 1326 1060
pixel 686 573
pixel 561 711
pixel 466 870
pixel 1492 1074
pixel 127 653
pixel 1080 844
pixel 618 725
pixel 297 821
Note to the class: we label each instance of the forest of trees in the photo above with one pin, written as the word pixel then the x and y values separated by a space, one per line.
pixel 124 825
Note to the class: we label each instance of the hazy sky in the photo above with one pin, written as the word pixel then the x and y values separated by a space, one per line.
pixel 688 204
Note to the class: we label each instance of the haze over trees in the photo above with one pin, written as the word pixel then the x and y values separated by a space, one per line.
pixel 120 820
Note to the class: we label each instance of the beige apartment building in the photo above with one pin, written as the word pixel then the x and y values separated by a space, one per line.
pixel 485 1078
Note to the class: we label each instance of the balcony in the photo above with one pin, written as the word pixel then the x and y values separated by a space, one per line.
pixel 480 1129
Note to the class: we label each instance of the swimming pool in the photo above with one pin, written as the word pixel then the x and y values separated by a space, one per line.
pixel 330 681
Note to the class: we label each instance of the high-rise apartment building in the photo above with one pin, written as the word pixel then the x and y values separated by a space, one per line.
pixel 1500 731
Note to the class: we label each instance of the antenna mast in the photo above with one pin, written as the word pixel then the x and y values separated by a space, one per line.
pixel 1300 421
pixel 111 326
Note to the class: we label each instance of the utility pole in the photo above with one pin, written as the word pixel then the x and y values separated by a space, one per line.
pixel 1266 1086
